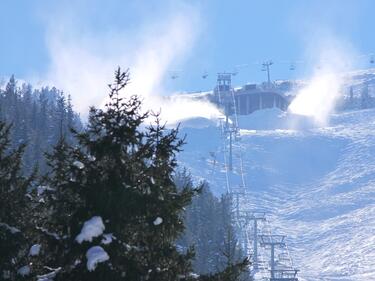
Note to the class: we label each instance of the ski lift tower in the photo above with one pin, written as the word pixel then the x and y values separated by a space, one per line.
pixel 237 194
pixel 254 217
pixel 223 94
pixel 266 67
pixel 279 274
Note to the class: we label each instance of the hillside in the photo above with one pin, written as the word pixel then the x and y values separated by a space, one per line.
pixel 39 118
pixel 316 183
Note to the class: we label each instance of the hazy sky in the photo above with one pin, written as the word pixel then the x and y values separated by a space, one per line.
pixel 195 36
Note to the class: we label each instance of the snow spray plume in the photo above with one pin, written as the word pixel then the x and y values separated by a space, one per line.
pixel 322 91
pixel 83 64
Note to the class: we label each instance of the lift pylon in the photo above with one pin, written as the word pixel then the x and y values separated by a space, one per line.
pixel 277 274
pixel 254 217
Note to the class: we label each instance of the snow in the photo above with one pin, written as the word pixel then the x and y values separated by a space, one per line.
pixel 41 189
pixel 197 122
pixel 92 228
pixel 94 256
pixel 12 229
pixel 24 271
pixel 91 158
pixel 107 239
pixel 274 119
pixel 49 276
pixel 194 275
pixel 78 164
pixel 53 234
pixel 35 250
pixel 158 221
pixel 316 183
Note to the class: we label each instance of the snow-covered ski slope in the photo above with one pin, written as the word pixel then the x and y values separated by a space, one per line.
pixel 316 183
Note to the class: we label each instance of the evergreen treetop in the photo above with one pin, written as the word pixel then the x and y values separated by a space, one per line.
pixel 14 205
pixel 121 172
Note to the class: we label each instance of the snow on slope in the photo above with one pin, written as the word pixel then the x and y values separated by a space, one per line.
pixel 317 184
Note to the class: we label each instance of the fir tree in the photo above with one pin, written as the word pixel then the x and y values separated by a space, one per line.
pixel 13 207
pixel 38 118
pixel 217 252
pixel 122 174
pixel 114 210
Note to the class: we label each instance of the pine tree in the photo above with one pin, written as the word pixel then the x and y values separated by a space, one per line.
pixel 114 210
pixel 70 118
pixel 13 207
pixel 217 252
pixel 120 174
pixel 38 118
pixel 58 201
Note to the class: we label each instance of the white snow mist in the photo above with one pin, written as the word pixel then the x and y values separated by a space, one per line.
pixel 320 95
pixel 83 63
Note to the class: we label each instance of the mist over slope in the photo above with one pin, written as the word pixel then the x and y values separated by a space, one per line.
pixel 316 183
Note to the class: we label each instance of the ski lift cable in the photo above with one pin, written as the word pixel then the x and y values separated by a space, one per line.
pixel 225 158
pixel 214 165
pixel 235 110
pixel 265 266
pixel 242 168
pixel 226 164
pixel 243 230
pixel 174 74
pixel 289 256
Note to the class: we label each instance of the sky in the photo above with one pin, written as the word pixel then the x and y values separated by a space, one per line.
pixel 76 45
